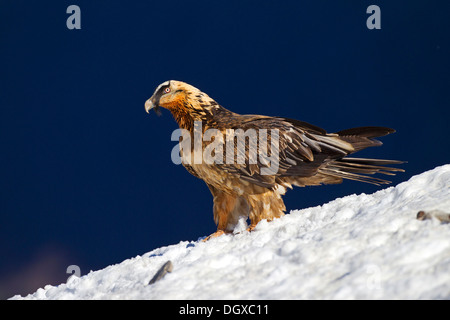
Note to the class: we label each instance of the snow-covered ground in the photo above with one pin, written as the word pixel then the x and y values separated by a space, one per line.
pixel 356 247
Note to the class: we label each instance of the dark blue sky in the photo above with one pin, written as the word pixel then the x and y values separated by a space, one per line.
pixel 86 176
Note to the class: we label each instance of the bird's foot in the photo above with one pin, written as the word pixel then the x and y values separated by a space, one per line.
pixel 216 234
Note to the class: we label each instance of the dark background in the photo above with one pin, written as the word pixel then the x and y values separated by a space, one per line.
pixel 86 176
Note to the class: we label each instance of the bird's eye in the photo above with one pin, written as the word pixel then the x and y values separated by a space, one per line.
pixel 167 90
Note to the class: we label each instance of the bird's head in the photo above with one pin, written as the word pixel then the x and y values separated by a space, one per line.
pixel 186 103
pixel 171 95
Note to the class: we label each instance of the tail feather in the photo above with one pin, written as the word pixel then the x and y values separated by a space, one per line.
pixel 368 132
pixel 363 137
pixel 354 176
pixel 358 168
pixel 365 161
pixel 329 161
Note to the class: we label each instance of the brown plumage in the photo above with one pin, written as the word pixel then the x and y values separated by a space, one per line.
pixel 306 155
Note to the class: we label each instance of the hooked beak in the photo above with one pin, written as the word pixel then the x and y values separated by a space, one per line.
pixel 149 104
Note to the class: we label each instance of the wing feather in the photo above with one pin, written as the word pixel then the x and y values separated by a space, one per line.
pixel 302 150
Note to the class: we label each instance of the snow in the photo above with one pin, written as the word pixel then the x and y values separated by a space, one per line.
pixel 356 247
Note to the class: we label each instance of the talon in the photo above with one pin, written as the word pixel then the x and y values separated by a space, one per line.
pixel 216 234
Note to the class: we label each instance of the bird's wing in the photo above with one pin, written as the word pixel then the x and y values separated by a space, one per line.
pixel 301 149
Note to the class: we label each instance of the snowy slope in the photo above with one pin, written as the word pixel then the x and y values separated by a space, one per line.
pixel 360 246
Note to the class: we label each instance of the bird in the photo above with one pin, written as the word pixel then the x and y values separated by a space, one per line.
pixel 246 185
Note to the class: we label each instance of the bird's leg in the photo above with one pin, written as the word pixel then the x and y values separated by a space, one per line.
pixel 251 227
pixel 265 206
pixel 228 208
